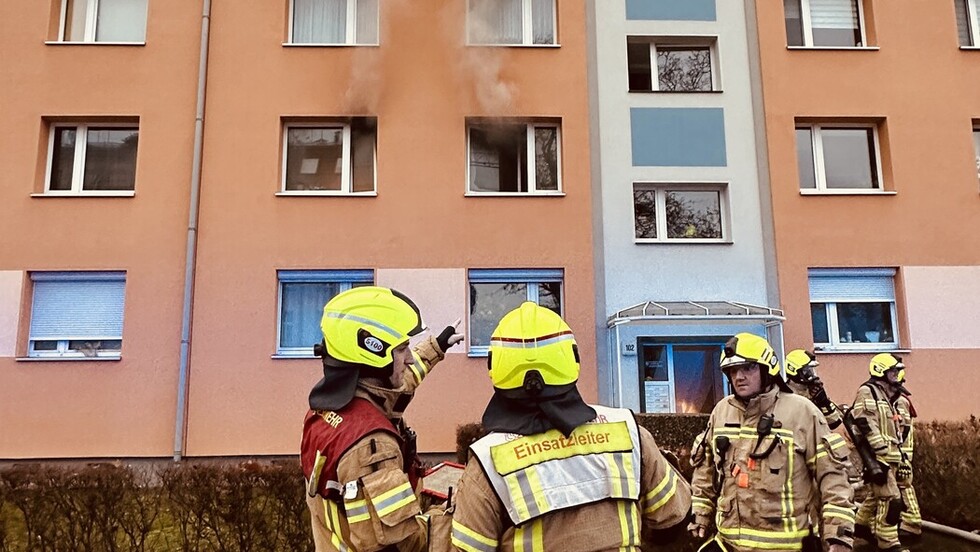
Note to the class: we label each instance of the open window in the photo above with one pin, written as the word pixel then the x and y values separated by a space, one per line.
pixel 672 64
pixel 507 157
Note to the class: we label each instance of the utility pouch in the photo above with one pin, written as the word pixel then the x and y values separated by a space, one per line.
pixel 894 513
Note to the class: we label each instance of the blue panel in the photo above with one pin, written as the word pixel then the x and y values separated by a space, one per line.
pixel 507 275
pixel 671 10
pixel 354 276
pixel 678 137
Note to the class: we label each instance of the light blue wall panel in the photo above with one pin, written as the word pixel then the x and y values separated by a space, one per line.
pixel 671 10
pixel 678 137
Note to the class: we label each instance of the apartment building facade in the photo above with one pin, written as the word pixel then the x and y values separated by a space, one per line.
pixel 684 232
pixel 440 148
pixel 873 125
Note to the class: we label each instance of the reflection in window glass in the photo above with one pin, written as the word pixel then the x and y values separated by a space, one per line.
pixel 110 159
pixel 549 296
pixel 62 159
pixel 314 158
pixel 489 302
pixel 865 323
pixel 976 149
pixel 684 69
pixel 818 317
pixel 835 23
pixel 546 158
pixel 645 213
pixel 804 158
pixel 794 22
pixel 849 158
pixel 693 214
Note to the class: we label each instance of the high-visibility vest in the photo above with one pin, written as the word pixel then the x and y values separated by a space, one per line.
pixel 536 474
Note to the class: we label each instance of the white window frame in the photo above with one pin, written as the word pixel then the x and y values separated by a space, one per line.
pixel 78 164
pixel 533 278
pixel 345 279
pixel 975 136
pixel 808 27
pixel 91 22
pixel 350 29
pixel 661 189
pixel 819 163
pixel 973 22
pixel 527 31
pixel 346 169
pixel 710 42
pixel 833 324
pixel 531 176
pixel 63 351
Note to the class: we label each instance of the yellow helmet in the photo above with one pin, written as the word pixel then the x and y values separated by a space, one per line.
pixel 798 359
pixel 883 362
pixel 361 326
pixel 746 348
pixel 533 349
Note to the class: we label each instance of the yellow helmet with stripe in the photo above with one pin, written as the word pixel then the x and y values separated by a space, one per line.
pixel 361 326
pixel 883 362
pixel 747 348
pixel 533 349
pixel 799 359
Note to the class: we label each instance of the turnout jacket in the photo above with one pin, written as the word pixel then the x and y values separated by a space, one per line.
pixel 596 490
pixel 362 494
pixel 872 403
pixel 765 503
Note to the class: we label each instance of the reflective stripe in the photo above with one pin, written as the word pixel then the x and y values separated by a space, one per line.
pixel 703 503
pixel 394 499
pixel 765 540
pixel 529 537
pixel 361 319
pixel 520 344
pixel 655 499
pixel 629 521
pixel 789 517
pixel 418 369
pixel 333 525
pixel 357 511
pixel 831 511
pixel 523 494
pixel 469 540
pixel 314 483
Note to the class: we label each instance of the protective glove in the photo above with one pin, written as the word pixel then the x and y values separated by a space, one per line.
pixel 697 530
pixel 449 336
pixel 903 472
pixel 818 395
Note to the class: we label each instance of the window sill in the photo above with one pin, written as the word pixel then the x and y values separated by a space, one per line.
pixel 836 48
pixel 326 194
pixel 532 46
pixel 87 194
pixel 514 194
pixel 676 91
pixel 325 45
pixel 847 192
pixel 92 43
pixel 113 358
pixel 683 242
pixel 970 48
pixel 477 354
pixel 308 356
pixel 869 351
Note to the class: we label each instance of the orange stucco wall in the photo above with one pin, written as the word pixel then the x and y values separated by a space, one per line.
pixel 924 88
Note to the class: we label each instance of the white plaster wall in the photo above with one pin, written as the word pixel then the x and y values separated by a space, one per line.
pixel 943 306
pixel 639 272
pixel 11 285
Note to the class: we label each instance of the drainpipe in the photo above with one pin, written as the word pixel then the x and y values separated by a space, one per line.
pixel 195 203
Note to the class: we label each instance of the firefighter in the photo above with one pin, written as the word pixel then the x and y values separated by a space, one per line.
pixel 801 376
pixel 911 526
pixel 358 456
pixel 555 473
pixel 880 513
pixel 765 453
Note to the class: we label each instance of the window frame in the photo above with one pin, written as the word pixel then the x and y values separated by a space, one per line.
pixel 78 163
pixel 346 170
pixel 532 278
pixel 660 199
pixel 527 30
pixel 807 23
pixel 530 152
pixel 833 321
pixel 819 162
pixel 972 23
pixel 690 42
pixel 91 25
pixel 350 28
pixel 975 136
pixel 62 351
pixel 345 278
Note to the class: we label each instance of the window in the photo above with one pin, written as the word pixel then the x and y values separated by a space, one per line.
pixel 333 22
pixel 679 213
pixel 827 23
pixel 103 21
pixel 77 314
pixel 499 154
pixel 511 22
pixel 838 157
pixel 976 149
pixel 853 309
pixel 91 159
pixel 330 158
pixel 302 295
pixel 494 293
pixel 968 22
pixel 683 64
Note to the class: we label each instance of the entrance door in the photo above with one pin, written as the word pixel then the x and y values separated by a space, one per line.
pixel 680 377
